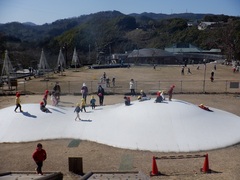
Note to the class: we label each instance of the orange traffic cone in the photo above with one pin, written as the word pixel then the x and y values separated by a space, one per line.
pixel 154 171
pixel 205 168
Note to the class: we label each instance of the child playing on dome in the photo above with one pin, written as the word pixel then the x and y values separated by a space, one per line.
pixel 45 97
pixel 83 105
pixel 18 105
pixel 143 96
pixel 43 108
pixel 77 110
pixel 93 102
pixel 126 100
pixel 160 97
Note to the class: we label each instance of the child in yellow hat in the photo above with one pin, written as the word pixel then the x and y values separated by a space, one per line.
pixel 83 105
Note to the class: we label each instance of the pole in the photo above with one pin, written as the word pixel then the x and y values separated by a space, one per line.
pixel 89 46
pixel 204 79
pixel 66 48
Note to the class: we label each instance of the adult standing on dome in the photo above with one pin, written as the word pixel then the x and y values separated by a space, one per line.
pixel 100 94
pixel 84 91
pixel 170 91
pixel 57 91
pixel 132 87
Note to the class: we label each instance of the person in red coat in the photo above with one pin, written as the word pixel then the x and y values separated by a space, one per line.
pixel 39 156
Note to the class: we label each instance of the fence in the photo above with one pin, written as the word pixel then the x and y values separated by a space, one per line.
pixel 122 87
pixel 155 171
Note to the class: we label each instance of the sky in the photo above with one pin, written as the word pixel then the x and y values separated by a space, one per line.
pixel 48 11
pixel 169 126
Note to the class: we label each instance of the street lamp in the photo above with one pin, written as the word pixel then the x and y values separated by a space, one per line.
pixel 204 79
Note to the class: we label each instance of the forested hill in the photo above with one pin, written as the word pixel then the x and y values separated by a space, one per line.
pixel 114 32
pixel 30 32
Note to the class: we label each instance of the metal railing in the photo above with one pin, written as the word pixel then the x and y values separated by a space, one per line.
pixel 122 87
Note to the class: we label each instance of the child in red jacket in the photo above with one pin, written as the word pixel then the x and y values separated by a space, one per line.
pixel 45 97
pixel 39 156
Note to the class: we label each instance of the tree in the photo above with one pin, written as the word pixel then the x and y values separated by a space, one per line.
pixel 230 36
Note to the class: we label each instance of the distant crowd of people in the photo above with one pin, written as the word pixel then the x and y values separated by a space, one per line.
pixel 198 68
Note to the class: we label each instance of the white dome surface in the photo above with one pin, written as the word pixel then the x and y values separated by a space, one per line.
pixel 170 126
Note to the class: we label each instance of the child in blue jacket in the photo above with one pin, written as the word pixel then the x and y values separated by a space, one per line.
pixel 77 110
pixel 93 102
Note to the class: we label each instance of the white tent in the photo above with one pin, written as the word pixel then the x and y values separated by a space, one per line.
pixel 75 59
pixel 7 65
pixel 7 69
pixel 61 61
pixel 43 62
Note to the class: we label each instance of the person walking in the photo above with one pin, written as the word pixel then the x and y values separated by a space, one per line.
pixel 77 110
pixel 108 82
pixel 54 98
pixel 39 156
pixel 132 87
pixel 198 67
pixel 100 94
pixel 182 71
pixel 170 91
pixel 113 81
pixel 104 76
pixel 212 76
pixel 84 91
pixel 154 66
pixel 18 105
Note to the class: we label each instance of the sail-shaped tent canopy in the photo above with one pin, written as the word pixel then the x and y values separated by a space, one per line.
pixel 7 66
pixel 75 59
pixel 61 61
pixel 43 65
